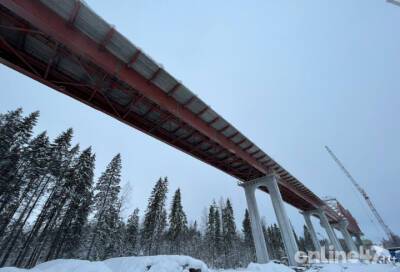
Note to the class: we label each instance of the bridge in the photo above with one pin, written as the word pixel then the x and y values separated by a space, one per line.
pixel 68 47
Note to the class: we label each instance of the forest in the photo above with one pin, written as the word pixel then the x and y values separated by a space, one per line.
pixel 52 206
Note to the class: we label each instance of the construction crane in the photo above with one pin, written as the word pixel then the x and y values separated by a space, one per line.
pixel 378 217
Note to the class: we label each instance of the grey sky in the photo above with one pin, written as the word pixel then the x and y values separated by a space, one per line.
pixel 292 75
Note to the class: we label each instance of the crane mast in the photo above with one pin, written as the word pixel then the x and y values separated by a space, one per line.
pixel 374 211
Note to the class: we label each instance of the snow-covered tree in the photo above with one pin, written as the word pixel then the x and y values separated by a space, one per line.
pixel 177 224
pixel 14 136
pixel 61 158
pixel 229 236
pixel 132 233
pixel 106 209
pixel 67 233
pixel 308 243
pixel 36 160
pixel 155 219
pixel 248 243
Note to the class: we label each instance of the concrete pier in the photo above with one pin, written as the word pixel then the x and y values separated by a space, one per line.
pixel 329 230
pixel 271 183
pixel 311 229
pixel 342 225
pixel 256 228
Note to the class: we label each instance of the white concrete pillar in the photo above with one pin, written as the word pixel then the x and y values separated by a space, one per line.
pixel 329 230
pixel 311 229
pixel 256 228
pixel 283 220
pixel 343 224
pixel 358 240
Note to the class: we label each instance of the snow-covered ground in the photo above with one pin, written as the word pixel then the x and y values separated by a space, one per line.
pixel 184 264
pixel 355 268
pixel 269 267
pixel 123 264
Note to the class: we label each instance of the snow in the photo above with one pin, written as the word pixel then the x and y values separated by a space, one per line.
pixel 71 265
pixel 183 264
pixel 157 264
pixel 123 264
pixel 380 252
pixel 355 267
pixel 269 267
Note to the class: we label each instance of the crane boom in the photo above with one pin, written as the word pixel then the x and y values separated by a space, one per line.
pixel 374 211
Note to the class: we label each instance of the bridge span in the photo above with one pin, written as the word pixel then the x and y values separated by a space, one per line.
pixel 68 47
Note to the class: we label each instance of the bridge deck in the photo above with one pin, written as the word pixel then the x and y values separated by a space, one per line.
pixel 66 46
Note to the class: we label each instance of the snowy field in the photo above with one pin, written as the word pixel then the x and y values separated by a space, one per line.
pixel 183 264
pixel 355 268
pixel 271 267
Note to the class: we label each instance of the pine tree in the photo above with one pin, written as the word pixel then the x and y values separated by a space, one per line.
pixel 155 218
pixel 106 208
pixel 177 224
pixel 132 233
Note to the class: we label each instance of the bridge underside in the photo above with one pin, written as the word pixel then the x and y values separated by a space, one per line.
pixel 63 45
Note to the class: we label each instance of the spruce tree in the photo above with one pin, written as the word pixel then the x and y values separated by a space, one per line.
pixel 132 233
pixel 154 224
pixel 9 128
pixel 106 209
pixel 229 236
pixel 218 231
pixel 214 239
pixel 210 235
pixel 268 238
pixel 67 234
pixel 248 242
pixel 61 157
pixel 308 243
pixel 275 237
pixel 15 134
pixel 193 242
pixel 177 224
pixel 36 160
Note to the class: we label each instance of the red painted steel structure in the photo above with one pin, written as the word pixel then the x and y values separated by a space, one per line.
pixel 49 48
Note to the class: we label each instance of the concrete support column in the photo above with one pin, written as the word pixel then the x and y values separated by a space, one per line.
pixel 283 220
pixel 358 240
pixel 343 224
pixel 256 228
pixel 310 227
pixel 329 230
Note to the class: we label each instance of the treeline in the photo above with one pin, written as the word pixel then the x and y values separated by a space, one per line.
pixel 51 207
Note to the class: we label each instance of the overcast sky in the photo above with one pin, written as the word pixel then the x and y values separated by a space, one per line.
pixel 291 75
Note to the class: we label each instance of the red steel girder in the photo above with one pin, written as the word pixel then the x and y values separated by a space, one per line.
pixel 53 25
pixel 74 13
pixel 174 89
